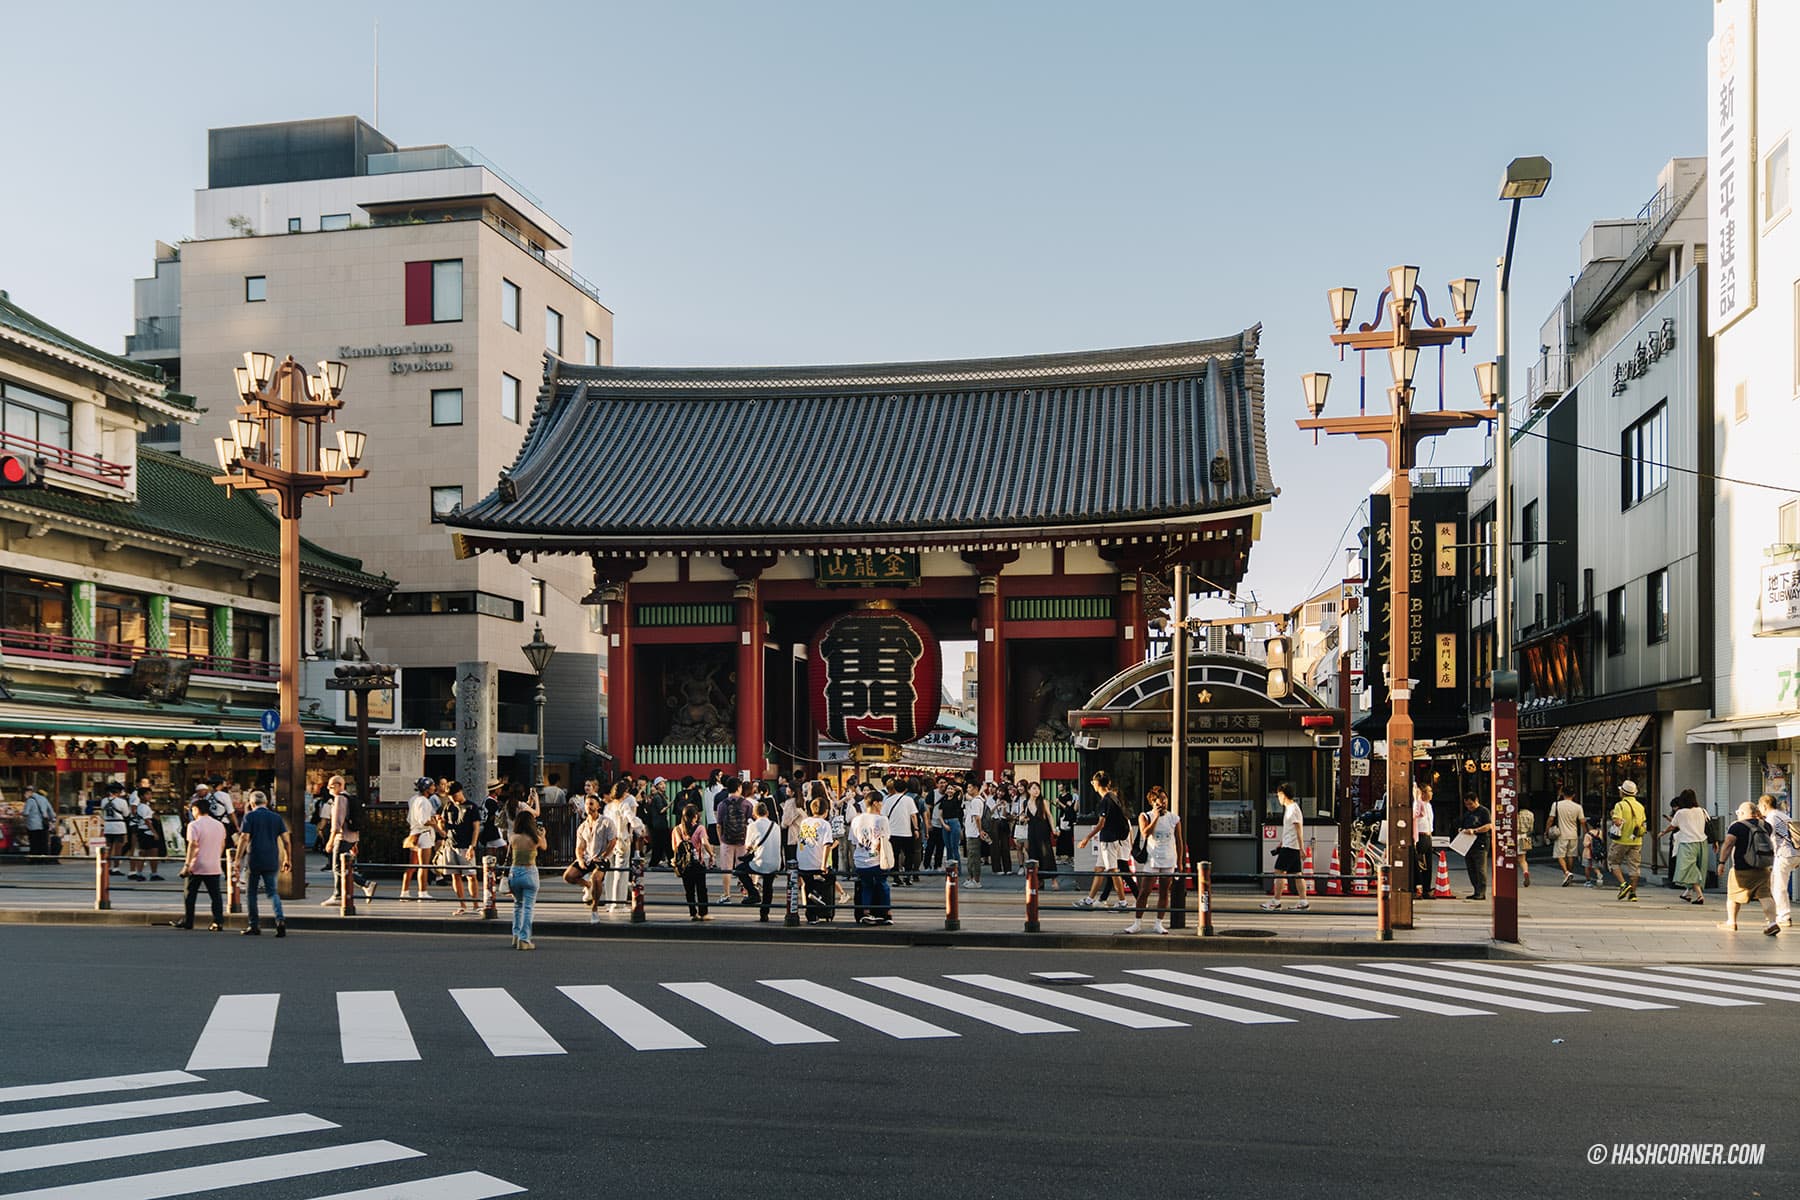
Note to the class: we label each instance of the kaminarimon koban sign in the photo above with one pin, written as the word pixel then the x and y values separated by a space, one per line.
pixel 875 677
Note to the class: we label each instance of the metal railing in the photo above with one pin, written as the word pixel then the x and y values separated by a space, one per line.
pixel 31 643
pixel 507 230
pixel 67 461
pixel 1547 379
pixel 444 158
pixel 154 333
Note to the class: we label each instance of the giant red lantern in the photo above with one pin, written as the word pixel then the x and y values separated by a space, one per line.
pixel 875 676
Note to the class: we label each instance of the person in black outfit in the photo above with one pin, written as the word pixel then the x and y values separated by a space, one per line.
pixel 1476 820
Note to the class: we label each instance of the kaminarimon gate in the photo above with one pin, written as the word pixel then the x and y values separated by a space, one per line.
pixel 779 552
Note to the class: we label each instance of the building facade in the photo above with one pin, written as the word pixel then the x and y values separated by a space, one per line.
pixel 138 601
pixel 1752 304
pixel 446 287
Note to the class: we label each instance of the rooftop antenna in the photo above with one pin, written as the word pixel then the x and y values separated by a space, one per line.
pixel 378 72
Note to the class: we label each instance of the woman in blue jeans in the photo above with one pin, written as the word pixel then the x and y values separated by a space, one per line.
pixel 527 839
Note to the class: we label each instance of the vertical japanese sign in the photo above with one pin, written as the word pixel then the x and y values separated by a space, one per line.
pixel 1505 817
pixel 1446 660
pixel 1731 162
pixel 477 714
pixel 1446 549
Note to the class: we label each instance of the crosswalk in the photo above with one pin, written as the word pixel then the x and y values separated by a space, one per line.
pixel 685 1015
pixel 143 1157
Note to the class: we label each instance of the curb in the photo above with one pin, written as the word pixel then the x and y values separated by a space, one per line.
pixel 1183 942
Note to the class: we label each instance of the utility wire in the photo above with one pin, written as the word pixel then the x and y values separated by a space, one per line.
pixel 1694 471
pixel 1336 553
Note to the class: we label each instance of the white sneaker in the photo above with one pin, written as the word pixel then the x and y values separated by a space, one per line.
pixel 1271 906
pixel 1301 907
pixel 1119 906
pixel 1084 902
pixel 1135 927
pixel 423 894
pixel 1161 928
pixel 594 917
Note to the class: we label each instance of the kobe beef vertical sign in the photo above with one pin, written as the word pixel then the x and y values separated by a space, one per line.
pixel 874 677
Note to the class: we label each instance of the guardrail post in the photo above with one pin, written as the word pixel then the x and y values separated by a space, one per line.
pixel 489 902
pixel 1206 909
pixel 347 881
pixel 234 890
pixel 952 897
pixel 793 904
pixel 637 895
pixel 102 878
pixel 1031 896
pixel 1384 912
pixel 1178 900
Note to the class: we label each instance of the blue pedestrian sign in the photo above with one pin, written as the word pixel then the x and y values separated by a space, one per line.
pixel 271 720
pixel 1360 748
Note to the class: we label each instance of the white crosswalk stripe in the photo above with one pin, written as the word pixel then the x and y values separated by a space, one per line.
pixel 503 1023
pixel 773 1027
pixel 1518 985
pixel 1492 999
pixel 371 1028
pixel 1687 997
pixel 879 1017
pixel 1412 1003
pixel 1686 984
pixel 1779 971
pixel 254 1167
pixel 1192 1004
pixel 635 1025
pixel 1312 1004
pixel 972 1007
pixel 237 1034
pixel 1759 979
pixel 1053 998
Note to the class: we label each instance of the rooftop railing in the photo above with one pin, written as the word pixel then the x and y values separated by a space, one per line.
pixel 32 643
pixel 67 461
pixel 443 158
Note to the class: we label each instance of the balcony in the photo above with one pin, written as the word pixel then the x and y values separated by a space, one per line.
pixel 56 647
pixel 1546 380
pixel 154 334
pixel 65 461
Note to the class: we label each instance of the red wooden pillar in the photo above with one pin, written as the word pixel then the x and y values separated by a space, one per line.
pixel 990 660
pixel 752 739
pixel 1131 620
pixel 621 695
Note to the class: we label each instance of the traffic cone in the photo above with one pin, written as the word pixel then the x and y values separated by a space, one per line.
pixel 1440 887
pixel 1334 886
pixel 1359 879
pixel 1307 867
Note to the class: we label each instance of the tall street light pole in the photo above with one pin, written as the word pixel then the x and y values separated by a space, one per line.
pixel 538 653
pixel 276 445
pixel 1401 429
pixel 1524 179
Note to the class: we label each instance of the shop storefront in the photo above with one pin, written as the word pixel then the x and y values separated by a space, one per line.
pixel 1241 747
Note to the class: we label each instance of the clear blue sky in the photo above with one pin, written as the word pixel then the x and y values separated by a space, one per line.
pixel 780 182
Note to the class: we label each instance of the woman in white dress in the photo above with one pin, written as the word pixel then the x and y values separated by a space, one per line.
pixel 1158 827
pixel 621 810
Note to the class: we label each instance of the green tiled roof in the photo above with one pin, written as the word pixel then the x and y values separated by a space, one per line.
pixel 16 318
pixel 177 499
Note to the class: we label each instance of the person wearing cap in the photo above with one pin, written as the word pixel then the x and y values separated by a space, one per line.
pixel 462 822
pixel 1625 839
pixel 421 837
pixel 261 844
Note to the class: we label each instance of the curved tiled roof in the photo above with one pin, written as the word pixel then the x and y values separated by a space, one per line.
pixel 1096 438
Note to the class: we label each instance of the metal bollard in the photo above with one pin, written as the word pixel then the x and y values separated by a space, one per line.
pixel 1384 913
pixel 234 890
pixel 793 905
pixel 347 882
pixel 489 886
pixel 637 899
pixel 1206 924
pixel 1178 901
pixel 102 878
pixel 1031 896
pixel 952 899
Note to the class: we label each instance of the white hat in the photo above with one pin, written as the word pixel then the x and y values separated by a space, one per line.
pixel 1628 788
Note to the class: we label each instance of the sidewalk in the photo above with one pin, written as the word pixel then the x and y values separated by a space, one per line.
pixel 1568 924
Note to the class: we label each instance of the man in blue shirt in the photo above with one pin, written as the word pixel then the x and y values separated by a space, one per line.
pixel 260 844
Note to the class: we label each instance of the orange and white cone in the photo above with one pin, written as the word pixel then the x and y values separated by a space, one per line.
pixel 1334 886
pixel 1440 886
pixel 1359 879
pixel 1312 888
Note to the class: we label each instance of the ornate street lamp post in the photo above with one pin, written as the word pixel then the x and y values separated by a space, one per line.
pixel 538 653
pixel 1401 429
pixel 277 445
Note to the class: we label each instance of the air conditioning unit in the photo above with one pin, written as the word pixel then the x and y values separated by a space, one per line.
pixel 1427 478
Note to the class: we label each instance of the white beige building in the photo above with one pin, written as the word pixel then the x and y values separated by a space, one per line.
pixel 444 285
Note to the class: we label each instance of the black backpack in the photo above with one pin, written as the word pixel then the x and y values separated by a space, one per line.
pixel 1759 849
pixel 353 813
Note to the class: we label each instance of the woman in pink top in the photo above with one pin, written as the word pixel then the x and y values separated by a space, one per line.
pixel 205 848
pixel 693 858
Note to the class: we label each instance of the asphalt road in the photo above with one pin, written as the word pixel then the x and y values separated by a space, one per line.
pixel 1506 1103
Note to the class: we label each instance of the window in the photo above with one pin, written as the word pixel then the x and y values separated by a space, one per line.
pixel 1529 530
pixel 331 221
pixel 1776 197
pixel 119 617
pixel 32 605
pixel 553 331
pixel 256 289
pixel 1587 589
pixel 446 406
pixel 509 303
pixel 434 291
pixel 445 500
pixel 1615 621
pixel 190 630
pixel 1644 456
pixel 250 636
pixel 590 349
pixel 1797 337
pixel 509 397
pixel 34 416
pixel 293 224
pixel 431 604
pixel 537 597
pixel 1656 607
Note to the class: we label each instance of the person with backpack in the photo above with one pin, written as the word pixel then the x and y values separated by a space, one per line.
pixel 346 816
pixel 733 824
pixel 462 822
pixel 762 859
pixel 1750 851
pixel 114 812
pixel 1786 838
pixel 1625 839
pixel 691 856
